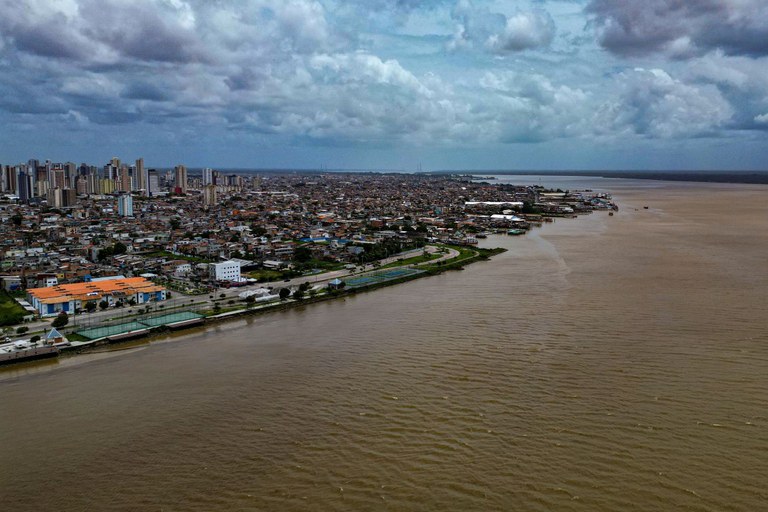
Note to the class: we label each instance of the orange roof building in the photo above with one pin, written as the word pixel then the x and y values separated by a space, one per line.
pixel 52 300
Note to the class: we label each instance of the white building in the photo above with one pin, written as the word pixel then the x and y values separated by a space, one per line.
pixel 125 205
pixel 225 271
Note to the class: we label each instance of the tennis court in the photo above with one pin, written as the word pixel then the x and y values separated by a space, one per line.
pixel 144 324
pixel 111 330
pixel 171 318
pixel 380 276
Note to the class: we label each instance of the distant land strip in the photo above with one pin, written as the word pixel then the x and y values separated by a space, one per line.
pixel 746 177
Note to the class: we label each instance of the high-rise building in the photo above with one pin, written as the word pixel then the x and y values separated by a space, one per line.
pixel 61 198
pixel 125 205
pixel 153 182
pixel 207 176
pixel 209 195
pixel 180 179
pixel 140 178
pixel 123 179
pixel 24 185
pixel 59 179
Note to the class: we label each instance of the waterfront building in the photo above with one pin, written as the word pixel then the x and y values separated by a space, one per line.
pixel 52 300
pixel 225 271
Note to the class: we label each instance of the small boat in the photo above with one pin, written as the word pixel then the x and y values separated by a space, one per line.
pixel 516 232
pixel 645 207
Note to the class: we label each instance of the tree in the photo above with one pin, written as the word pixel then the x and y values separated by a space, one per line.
pixel 35 338
pixel 302 254
pixel 105 253
pixel 16 219
pixel 298 294
pixel 174 224
pixel 284 293
pixel 22 329
pixel 61 320
pixel 250 301
pixel 103 304
pixel 119 248
pixel 90 306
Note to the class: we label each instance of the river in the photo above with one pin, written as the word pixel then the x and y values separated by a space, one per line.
pixel 603 363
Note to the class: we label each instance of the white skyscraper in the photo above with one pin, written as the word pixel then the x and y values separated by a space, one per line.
pixel 207 176
pixel 125 205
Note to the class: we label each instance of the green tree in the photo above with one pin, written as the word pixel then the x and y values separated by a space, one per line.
pixel 284 293
pixel 250 301
pixel 105 253
pixel 35 338
pixel 119 248
pixel 174 224
pixel 302 254
pixel 61 320
pixel 22 329
pixel 90 306
pixel 103 304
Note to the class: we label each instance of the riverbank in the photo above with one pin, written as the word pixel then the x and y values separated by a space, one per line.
pixel 465 256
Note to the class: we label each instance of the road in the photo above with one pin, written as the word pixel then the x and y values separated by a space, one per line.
pixel 181 300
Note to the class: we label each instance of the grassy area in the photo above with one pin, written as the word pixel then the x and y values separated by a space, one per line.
pixel 10 311
pixel 265 275
pixel 412 261
pixel 171 256
pixel 466 255
pixel 323 265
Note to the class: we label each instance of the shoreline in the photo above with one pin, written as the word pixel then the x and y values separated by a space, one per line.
pixel 98 345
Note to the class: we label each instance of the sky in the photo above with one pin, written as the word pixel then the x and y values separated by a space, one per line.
pixel 387 84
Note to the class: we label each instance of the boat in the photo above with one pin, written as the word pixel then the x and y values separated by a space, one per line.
pixel 25 350
pixel 516 232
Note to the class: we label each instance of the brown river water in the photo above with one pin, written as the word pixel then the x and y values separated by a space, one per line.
pixel 601 364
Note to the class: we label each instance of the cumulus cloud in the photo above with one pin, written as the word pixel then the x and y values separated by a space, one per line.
pixel 653 104
pixel 102 30
pixel 762 118
pixel 499 33
pixel 300 71
pixel 680 28
pixel 524 30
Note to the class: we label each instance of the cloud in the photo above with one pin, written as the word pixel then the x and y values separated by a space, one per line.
pixel 679 28
pixel 762 118
pixel 653 104
pixel 344 73
pixel 523 30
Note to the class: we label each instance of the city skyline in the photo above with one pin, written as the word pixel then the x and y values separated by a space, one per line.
pixel 399 85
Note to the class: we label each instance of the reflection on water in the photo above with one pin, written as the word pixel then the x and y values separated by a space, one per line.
pixel 601 364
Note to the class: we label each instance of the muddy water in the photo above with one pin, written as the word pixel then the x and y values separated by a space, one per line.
pixel 601 364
